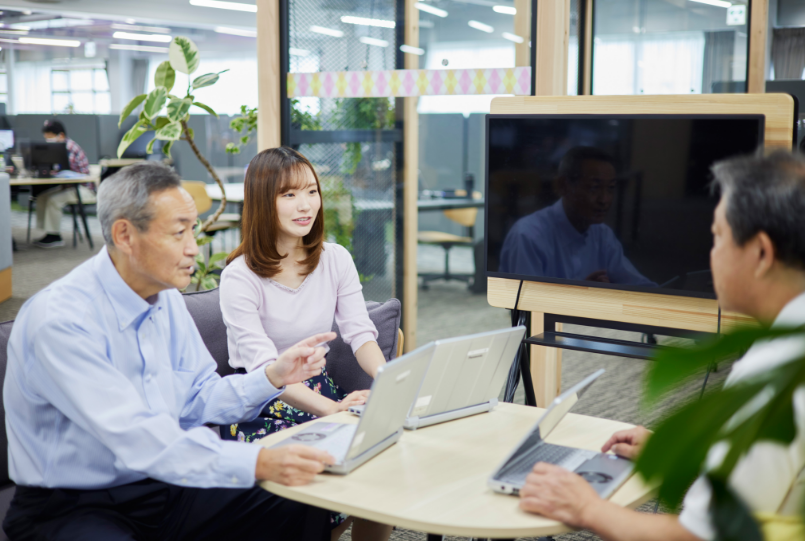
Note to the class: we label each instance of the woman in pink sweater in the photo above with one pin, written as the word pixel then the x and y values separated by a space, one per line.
pixel 280 284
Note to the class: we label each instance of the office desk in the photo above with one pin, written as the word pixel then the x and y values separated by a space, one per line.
pixel 57 181
pixel 434 479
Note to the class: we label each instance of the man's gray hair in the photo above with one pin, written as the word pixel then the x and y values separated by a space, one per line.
pixel 126 195
pixel 766 193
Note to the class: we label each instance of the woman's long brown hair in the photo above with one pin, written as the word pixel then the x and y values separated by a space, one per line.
pixel 270 174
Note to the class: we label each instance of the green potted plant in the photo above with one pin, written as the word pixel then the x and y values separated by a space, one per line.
pixel 167 115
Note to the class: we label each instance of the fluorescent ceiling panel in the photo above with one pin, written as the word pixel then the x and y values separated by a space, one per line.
pixel 234 6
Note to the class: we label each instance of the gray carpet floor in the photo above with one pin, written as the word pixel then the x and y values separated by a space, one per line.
pixel 445 310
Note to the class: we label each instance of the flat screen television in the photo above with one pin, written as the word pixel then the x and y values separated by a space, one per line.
pixel 612 201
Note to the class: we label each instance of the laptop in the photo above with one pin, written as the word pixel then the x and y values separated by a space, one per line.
pixel 381 424
pixel 464 378
pixel 605 472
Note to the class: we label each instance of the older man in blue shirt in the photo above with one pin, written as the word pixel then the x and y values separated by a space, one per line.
pixel 109 386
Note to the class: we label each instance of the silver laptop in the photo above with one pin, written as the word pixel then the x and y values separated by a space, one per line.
pixel 605 472
pixel 392 394
pixel 464 378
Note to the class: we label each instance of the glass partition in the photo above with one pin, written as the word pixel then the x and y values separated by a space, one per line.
pixel 663 47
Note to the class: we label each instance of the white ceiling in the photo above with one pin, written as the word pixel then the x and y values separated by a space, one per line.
pixel 174 12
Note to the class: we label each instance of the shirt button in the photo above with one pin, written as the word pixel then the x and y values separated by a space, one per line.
pixel 234 479
pixel 184 480
pixel 148 377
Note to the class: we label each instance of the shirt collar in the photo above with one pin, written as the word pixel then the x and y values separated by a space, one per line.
pixel 561 220
pixel 792 314
pixel 128 306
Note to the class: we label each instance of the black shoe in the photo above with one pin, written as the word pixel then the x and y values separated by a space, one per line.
pixel 49 241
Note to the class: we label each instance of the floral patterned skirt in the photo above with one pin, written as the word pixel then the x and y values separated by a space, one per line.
pixel 278 415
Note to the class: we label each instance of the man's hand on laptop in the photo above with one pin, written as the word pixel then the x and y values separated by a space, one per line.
pixel 299 362
pixel 293 465
pixel 558 494
pixel 627 443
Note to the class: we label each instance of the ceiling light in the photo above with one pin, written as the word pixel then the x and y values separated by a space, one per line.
pixel 412 50
pixel 246 33
pixel 327 31
pixel 421 6
pixel 424 23
pixel 54 42
pixel 717 3
pixel 234 6
pixel 298 52
pixel 373 41
pixel 161 38
pixel 135 28
pixel 13 31
pixel 368 22
pixel 143 48
pixel 513 37
pixel 131 21
pixel 481 26
pixel 506 10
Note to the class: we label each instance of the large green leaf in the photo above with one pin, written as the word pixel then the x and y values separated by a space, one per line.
pixel 165 75
pixel 136 131
pixel 674 365
pixel 130 107
pixel 169 132
pixel 154 102
pixel 178 108
pixel 183 55
pixel 150 148
pixel 206 108
pixel 206 79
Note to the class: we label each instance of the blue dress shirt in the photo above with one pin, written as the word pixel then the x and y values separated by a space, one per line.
pixel 104 388
pixel 545 243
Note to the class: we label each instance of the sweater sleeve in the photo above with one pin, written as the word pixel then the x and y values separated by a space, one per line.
pixel 350 311
pixel 249 346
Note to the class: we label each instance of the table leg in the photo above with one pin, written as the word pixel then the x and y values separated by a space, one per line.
pixel 83 216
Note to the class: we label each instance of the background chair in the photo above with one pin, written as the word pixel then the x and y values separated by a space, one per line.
pixel 465 217
pixel 198 191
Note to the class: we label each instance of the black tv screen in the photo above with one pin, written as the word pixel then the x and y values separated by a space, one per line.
pixel 620 202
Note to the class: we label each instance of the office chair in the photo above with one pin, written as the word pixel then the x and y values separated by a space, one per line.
pixel 198 191
pixel 463 216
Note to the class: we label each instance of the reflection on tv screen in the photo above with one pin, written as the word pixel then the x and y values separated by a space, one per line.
pixel 613 201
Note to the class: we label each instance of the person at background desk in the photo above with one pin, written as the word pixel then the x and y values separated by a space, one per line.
pixel 50 203
pixel 569 239
pixel 109 385
pixel 758 265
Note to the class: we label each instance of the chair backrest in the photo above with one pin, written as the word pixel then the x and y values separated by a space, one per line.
pixel 342 365
pixel 205 310
pixel 465 216
pixel 5 332
pixel 198 191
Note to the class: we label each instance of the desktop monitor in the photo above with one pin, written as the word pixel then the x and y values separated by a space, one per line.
pixel 6 139
pixel 611 201
pixel 45 157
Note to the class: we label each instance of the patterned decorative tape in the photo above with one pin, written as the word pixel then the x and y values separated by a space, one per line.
pixel 402 83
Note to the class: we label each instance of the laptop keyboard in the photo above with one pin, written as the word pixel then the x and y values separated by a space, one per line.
pixel 520 466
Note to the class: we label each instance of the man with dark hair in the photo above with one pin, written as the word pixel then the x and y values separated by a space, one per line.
pixel 49 204
pixel 109 385
pixel 569 239
pixel 758 264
